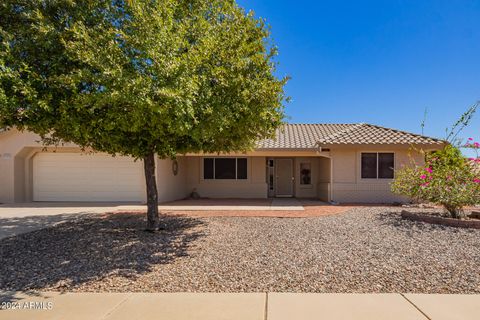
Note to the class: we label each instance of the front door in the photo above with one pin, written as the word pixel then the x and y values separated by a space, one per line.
pixel 284 178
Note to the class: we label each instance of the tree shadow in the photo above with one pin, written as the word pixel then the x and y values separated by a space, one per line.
pixel 74 252
pixel 17 225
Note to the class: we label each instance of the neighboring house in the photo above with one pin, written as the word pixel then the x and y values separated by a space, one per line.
pixel 331 162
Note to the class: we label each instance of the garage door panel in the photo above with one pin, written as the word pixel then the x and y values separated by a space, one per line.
pixel 92 177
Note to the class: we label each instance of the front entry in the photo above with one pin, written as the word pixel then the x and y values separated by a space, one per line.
pixel 284 177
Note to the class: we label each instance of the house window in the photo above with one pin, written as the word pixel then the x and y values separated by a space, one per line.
pixel 224 168
pixel 377 165
pixel 305 173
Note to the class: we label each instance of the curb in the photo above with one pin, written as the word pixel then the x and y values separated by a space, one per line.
pixel 449 222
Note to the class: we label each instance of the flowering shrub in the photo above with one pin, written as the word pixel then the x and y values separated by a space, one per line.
pixel 447 178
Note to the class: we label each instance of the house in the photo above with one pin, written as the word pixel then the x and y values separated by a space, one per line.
pixel 331 162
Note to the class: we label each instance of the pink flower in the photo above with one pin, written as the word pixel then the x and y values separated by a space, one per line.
pixel 471 159
pixel 476 145
pixel 425 184
pixel 476 180
pixel 423 177
pixel 429 170
pixel 470 139
pixel 449 177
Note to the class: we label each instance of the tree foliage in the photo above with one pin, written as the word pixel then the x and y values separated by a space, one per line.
pixel 130 77
pixel 447 178
pixel 138 77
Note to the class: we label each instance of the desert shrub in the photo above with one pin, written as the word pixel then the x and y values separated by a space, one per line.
pixel 447 178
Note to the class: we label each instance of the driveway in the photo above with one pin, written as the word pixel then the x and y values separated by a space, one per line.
pixel 27 217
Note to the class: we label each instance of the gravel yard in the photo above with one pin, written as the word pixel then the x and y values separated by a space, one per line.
pixel 367 249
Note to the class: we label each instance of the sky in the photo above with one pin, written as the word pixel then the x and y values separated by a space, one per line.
pixel 380 62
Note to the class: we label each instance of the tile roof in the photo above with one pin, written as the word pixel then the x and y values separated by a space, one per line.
pixel 308 136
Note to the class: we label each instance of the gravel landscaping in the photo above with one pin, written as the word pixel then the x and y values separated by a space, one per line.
pixel 367 249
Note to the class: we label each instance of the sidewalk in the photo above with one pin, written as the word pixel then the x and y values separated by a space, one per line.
pixel 238 306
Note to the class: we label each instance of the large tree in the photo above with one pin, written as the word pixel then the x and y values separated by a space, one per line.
pixel 139 78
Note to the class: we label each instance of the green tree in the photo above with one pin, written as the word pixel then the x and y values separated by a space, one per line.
pixel 139 78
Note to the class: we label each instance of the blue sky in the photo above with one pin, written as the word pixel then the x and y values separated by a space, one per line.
pixel 380 62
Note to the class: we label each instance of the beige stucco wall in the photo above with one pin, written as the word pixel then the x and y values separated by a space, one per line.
pixel 324 179
pixel 254 186
pixel 15 150
pixel 347 184
pixel 172 187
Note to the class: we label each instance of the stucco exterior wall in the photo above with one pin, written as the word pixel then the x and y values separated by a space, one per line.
pixel 15 149
pixel 254 186
pixel 347 184
pixel 324 179
pixel 170 186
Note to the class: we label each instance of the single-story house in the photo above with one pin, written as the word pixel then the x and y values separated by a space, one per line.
pixel 332 162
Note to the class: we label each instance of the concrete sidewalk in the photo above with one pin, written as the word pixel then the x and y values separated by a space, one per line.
pixel 241 306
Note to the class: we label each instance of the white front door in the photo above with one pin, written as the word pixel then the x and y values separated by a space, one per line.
pixel 284 178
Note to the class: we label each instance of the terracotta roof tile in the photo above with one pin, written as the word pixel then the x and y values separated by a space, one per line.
pixel 308 136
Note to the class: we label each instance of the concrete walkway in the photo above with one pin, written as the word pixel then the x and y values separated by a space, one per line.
pixel 275 204
pixel 241 306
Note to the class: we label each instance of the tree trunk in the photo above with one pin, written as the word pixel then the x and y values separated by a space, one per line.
pixel 455 212
pixel 152 193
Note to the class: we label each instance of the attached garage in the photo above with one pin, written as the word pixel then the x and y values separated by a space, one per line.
pixel 87 177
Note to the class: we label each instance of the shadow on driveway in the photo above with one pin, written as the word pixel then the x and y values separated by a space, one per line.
pixel 11 226
pixel 93 247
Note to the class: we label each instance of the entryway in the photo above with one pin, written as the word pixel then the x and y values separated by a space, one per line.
pixel 283 178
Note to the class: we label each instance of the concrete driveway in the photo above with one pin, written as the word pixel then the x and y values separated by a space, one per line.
pixel 27 217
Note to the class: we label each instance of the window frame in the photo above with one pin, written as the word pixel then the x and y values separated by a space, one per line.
pixel 236 169
pixel 377 165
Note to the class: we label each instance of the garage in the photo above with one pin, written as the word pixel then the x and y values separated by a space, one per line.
pixel 87 177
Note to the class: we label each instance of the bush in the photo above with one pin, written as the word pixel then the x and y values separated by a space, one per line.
pixel 447 178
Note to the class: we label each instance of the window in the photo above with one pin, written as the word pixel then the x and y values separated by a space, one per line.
pixel 224 168
pixel 369 165
pixel 377 165
pixel 385 165
pixel 305 173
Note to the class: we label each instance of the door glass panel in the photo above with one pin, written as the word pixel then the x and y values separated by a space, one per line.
pixel 305 173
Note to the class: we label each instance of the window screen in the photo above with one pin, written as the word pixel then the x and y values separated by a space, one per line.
pixel 224 168
pixel 241 168
pixel 385 165
pixel 369 165
pixel 208 168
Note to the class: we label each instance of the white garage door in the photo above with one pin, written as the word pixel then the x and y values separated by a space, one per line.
pixel 82 177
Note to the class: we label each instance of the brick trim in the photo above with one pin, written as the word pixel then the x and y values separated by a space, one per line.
pixel 449 222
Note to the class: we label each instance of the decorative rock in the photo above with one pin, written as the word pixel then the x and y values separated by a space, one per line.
pixel 368 249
